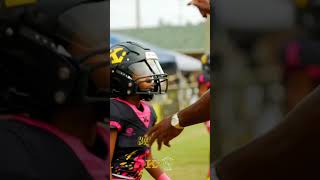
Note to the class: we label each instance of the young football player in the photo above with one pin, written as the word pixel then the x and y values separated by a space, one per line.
pixel 136 76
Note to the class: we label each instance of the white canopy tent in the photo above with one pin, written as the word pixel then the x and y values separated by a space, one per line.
pixel 186 63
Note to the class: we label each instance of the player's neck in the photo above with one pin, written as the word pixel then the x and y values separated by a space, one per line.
pixel 135 100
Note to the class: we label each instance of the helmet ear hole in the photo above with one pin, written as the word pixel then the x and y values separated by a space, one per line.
pixel 115 84
pixel 121 86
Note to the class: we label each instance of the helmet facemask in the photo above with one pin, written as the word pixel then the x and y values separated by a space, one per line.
pixel 149 78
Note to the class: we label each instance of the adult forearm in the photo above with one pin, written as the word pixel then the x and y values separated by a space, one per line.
pixel 197 112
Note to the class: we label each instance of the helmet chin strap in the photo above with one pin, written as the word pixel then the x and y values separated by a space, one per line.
pixel 145 96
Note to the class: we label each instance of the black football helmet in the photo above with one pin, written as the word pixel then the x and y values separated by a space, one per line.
pixel 52 52
pixel 132 64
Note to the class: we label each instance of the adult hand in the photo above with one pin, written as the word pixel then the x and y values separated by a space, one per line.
pixel 202 5
pixel 163 132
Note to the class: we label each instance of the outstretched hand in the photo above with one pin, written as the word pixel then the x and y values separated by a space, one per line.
pixel 163 132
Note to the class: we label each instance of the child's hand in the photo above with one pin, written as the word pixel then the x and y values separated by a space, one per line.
pixel 163 176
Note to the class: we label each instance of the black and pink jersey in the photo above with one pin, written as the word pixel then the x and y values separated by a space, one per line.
pixel 32 149
pixel 131 146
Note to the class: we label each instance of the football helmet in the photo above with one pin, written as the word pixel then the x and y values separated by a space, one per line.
pixel 132 64
pixel 53 52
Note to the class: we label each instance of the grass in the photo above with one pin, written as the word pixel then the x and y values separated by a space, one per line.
pixel 189 153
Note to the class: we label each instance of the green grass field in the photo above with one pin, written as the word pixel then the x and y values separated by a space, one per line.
pixel 189 153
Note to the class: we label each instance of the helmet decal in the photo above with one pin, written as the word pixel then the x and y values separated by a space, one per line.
pixel 115 59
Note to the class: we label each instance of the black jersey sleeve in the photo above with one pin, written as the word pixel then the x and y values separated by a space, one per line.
pixel 117 115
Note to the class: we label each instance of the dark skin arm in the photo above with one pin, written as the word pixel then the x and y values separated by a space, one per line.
pixel 155 172
pixel 113 139
pixel 202 5
pixel 289 151
pixel 196 113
